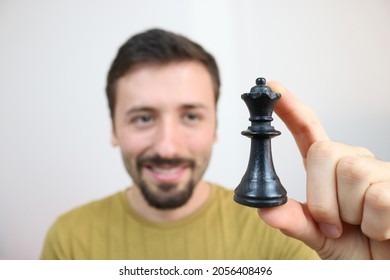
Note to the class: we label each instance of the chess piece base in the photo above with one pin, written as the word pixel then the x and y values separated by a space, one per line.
pixel 257 202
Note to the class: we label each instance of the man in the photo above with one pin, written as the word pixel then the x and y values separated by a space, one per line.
pixel 162 91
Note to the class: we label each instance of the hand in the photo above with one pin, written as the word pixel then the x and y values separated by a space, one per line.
pixel 347 214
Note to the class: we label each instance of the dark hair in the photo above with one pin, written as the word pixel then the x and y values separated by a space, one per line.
pixel 156 46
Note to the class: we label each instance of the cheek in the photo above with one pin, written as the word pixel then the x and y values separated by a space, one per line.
pixel 202 143
pixel 133 145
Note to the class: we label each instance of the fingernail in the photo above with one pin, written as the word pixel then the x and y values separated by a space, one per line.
pixel 330 231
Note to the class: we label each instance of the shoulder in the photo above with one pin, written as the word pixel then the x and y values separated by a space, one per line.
pixel 69 236
pixel 89 210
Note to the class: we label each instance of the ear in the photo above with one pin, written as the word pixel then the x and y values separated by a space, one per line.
pixel 114 138
pixel 216 130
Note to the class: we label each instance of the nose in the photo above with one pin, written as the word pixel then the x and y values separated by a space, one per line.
pixel 168 140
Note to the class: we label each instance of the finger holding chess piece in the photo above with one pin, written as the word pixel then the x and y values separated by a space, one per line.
pixel 260 186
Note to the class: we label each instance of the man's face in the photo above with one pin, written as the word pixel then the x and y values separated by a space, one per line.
pixel 165 125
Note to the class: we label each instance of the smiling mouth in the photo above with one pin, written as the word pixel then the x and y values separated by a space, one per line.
pixel 165 170
pixel 166 173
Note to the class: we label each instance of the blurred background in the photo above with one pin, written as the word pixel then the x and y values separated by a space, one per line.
pixel 55 151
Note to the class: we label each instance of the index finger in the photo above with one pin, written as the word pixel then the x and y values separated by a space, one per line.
pixel 299 119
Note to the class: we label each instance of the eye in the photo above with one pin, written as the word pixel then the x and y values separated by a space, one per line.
pixel 192 117
pixel 142 120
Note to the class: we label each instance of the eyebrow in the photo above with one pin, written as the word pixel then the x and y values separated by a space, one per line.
pixel 193 106
pixel 138 109
pixel 189 106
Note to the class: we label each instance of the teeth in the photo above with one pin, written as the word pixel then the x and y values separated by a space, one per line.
pixel 165 170
pixel 165 174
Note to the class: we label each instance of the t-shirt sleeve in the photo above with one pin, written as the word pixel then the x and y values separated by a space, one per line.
pixel 52 249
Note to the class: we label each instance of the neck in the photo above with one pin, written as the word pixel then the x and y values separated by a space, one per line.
pixel 141 206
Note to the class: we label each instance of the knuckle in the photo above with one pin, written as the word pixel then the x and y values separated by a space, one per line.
pixel 374 233
pixel 352 170
pixel 377 204
pixel 322 150
pixel 378 198
pixel 364 152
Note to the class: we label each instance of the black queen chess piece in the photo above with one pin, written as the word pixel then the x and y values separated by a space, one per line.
pixel 260 187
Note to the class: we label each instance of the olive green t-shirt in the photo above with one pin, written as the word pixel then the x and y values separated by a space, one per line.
pixel 220 229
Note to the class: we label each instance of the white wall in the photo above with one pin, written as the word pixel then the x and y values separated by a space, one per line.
pixel 54 146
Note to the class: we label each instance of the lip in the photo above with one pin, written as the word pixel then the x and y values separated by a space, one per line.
pixel 166 173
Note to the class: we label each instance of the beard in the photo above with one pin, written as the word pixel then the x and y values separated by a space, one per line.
pixel 169 201
pixel 168 196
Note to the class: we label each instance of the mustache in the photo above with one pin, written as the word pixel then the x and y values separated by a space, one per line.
pixel 158 160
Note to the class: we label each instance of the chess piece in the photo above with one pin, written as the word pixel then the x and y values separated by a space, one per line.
pixel 260 187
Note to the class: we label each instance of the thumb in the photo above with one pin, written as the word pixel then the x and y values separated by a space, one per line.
pixel 294 220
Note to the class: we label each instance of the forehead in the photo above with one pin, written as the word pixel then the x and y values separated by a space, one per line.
pixel 173 84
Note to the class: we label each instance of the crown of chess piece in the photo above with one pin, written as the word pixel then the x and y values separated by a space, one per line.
pixel 260 187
